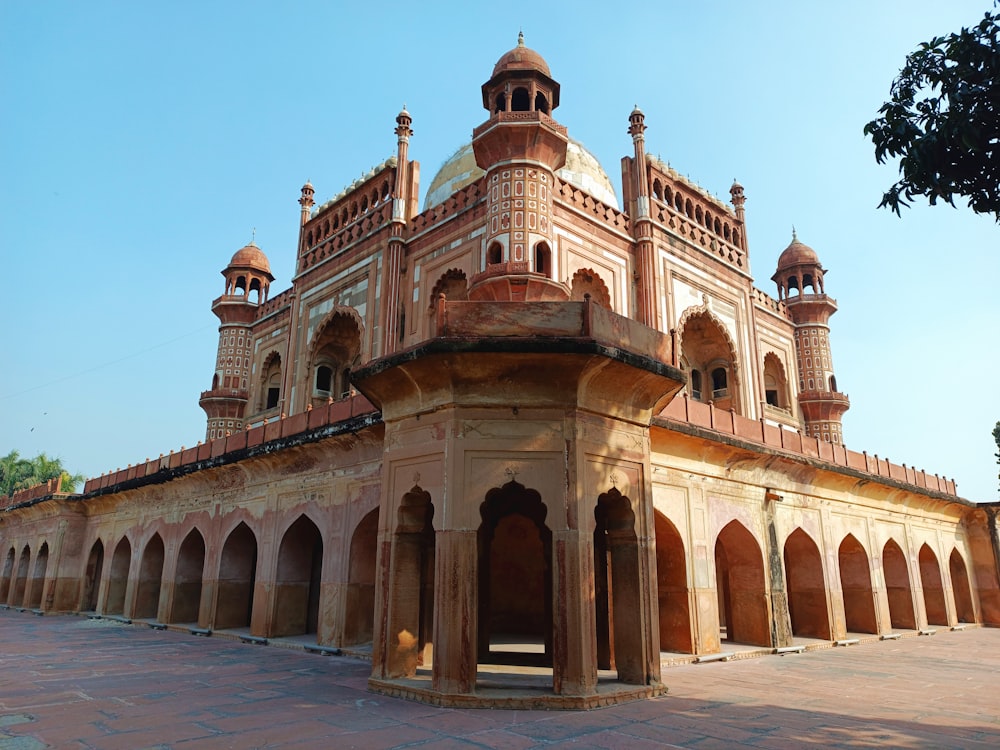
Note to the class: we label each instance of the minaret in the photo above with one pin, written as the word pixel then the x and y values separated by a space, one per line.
pixel 248 278
pixel 822 405
pixel 520 147
pixel 645 253
pixel 739 203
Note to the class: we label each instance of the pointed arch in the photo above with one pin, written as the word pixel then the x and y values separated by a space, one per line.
pixel 297 580
pixel 335 350
pixel 37 584
pixel 20 584
pixel 707 347
pixel 775 382
pixel 964 607
pixel 930 581
pixel 856 586
pixel 237 579
pixel 453 284
pixel 8 573
pixel 588 281
pixel 360 615
pixel 897 586
pixel 92 577
pixel 806 587
pixel 188 579
pixel 270 381
pixel 121 561
pixel 740 582
pixel 147 592
pixel 672 587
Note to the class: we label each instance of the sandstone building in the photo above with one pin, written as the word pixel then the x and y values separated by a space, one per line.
pixel 523 424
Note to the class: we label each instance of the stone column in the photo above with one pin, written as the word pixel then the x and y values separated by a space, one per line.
pixel 455 626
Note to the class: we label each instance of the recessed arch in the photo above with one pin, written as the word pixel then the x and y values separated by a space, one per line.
pixel 930 581
pixel 37 583
pixel 92 577
pixel 740 583
pixel 856 587
pixel 237 579
pixel 20 583
pixel 188 579
pixel 672 588
pixel 707 347
pixel 270 382
pixel 121 561
pixel 334 351
pixel 298 580
pixel 147 592
pixel 897 586
pixel 806 587
pixel 587 281
pixel 453 284
pixel 361 574
pixel 515 578
pixel 964 607
pixel 775 382
pixel 8 573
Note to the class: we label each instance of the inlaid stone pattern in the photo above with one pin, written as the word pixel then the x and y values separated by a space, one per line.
pixel 519 206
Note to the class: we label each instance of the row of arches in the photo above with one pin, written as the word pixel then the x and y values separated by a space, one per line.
pixel 350 212
pixel 520 101
pixel 694 212
pixel 23 583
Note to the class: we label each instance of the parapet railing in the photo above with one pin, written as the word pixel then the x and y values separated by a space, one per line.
pixel 706 415
pixel 51 487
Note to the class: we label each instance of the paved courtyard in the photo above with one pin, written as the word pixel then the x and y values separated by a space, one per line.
pixel 70 682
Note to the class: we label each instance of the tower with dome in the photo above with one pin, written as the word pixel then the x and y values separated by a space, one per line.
pixel 521 446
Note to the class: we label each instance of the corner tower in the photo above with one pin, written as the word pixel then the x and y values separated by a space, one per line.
pixel 519 147
pixel 823 406
pixel 248 278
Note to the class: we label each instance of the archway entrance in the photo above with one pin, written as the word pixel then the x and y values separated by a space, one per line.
pixel 92 577
pixel 960 584
pixel 739 571
pixel 412 581
pixel 856 587
pixel 297 584
pixel 806 587
pixel 237 576
pixel 360 615
pixel 8 571
pixel 930 580
pixel 672 588
pixel 38 577
pixel 120 562
pixel 515 578
pixel 188 578
pixel 147 593
pixel 21 581
pixel 897 587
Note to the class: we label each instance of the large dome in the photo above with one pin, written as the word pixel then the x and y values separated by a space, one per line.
pixel 797 254
pixel 582 170
pixel 521 58
pixel 251 257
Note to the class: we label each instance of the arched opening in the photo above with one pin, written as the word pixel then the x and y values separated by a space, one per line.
pixel 616 588
pixel 500 104
pixel 806 587
pixel 695 385
pixel 270 382
pixel 657 190
pixel 520 101
pixel 672 588
pixel 121 561
pixel 739 573
pixel 188 578
pixel 410 631
pixel 833 383
pixel 360 609
pixel 92 577
pixel 494 254
pixel 587 281
pixel 964 607
pixel 856 587
pixel 775 383
pixel 336 348
pixel 21 581
pixel 237 576
pixel 38 577
pixel 807 282
pixel 254 293
pixel 8 571
pixel 706 347
pixel 452 284
pixel 543 259
pixel 678 202
pixel 298 579
pixel 541 103
pixel 147 593
pixel 515 578
pixel 897 587
pixel 930 580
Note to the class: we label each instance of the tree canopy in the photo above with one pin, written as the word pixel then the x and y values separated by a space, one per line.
pixel 943 121
pixel 18 473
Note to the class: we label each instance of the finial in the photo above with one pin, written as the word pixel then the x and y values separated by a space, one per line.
pixel 795 237
pixel 253 236
pixel 520 38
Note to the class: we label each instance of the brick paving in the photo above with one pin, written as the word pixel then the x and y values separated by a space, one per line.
pixel 70 682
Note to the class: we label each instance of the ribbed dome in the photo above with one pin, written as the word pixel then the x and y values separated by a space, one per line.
pixel 252 257
pixel 581 170
pixel 521 58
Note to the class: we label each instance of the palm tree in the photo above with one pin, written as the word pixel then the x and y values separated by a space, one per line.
pixel 18 473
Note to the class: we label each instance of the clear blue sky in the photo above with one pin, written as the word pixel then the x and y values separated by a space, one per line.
pixel 140 143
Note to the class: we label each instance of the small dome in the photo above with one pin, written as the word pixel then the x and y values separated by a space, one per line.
pixel 252 257
pixel 582 170
pixel 797 254
pixel 521 58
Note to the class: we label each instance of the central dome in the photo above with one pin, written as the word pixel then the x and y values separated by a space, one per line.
pixel 582 170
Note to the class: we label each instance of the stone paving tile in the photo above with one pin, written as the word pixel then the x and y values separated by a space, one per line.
pixel 66 683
